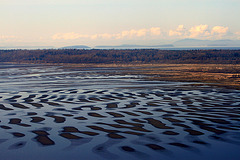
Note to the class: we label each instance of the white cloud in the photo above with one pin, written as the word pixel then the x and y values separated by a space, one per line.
pixel 178 32
pixel 8 38
pixel 156 31
pixel 238 35
pixel 199 31
pixel 101 36
pixel 202 31
pixel 4 37
pixel 127 34
pixel 219 30
pixel 194 32
pixel 142 32
pixel 131 34
pixel 68 36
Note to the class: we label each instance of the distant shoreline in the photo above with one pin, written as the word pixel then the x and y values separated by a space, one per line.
pixel 127 48
pixel 216 67
pixel 123 56
pixel 223 75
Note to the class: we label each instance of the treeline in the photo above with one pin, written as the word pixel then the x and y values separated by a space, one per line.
pixel 120 56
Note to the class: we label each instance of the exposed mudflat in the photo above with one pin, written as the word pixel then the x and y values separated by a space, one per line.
pixel 54 112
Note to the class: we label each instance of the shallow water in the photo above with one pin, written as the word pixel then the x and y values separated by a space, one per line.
pixel 53 112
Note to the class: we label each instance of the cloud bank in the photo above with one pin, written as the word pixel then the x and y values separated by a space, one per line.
pixel 7 37
pixel 199 31
pixel 127 34
pixel 202 31
pixel 178 32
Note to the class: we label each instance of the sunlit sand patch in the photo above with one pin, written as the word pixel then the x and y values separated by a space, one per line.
pixel 211 129
pixel 157 123
pixel 135 128
pixel 170 133
pixel 115 115
pixel 28 100
pixel 173 120
pixel 38 105
pixel 57 119
pixel 112 105
pixel 31 113
pixel 5 127
pixel 50 103
pixel 37 119
pixel 94 114
pixel 80 118
pixel 193 132
pixel 69 136
pixel 84 100
pixel 91 91
pixel 75 130
pixel 68 115
pixel 18 105
pixel 101 92
pixel 180 145
pixel 94 99
pixel 13 99
pixel 17 134
pixel 130 113
pixel 218 121
pixel 155 147
pixel 89 133
pixel 61 97
pixel 103 129
pixel 128 149
pixel 17 121
pixel 145 112
pixel 131 105
pixel 96 108
pixel 139 121
pixel 42 138
pixel 107 98
pixel 2 107
pixel 133 133
pixel 129 123
pixel 43 96
pixel 115 136
pixel 87 107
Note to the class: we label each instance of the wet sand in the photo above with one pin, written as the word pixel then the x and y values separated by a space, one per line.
pixel 114 117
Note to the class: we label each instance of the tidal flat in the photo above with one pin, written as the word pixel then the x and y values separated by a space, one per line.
pixel 117 112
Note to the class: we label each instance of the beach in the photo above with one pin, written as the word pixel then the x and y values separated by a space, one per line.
pixel 112 112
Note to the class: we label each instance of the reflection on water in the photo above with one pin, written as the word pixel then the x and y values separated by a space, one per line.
pixel 52 112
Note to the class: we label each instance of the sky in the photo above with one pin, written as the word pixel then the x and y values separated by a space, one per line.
pixel 115 22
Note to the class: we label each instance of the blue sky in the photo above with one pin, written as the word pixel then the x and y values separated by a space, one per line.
pixel 113 22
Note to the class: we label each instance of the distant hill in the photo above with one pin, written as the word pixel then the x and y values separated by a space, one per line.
pixel 184 44
pixel 206 43
pixel 76 47
pixel 129 46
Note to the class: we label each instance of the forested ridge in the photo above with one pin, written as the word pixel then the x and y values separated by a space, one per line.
pixel 120 56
